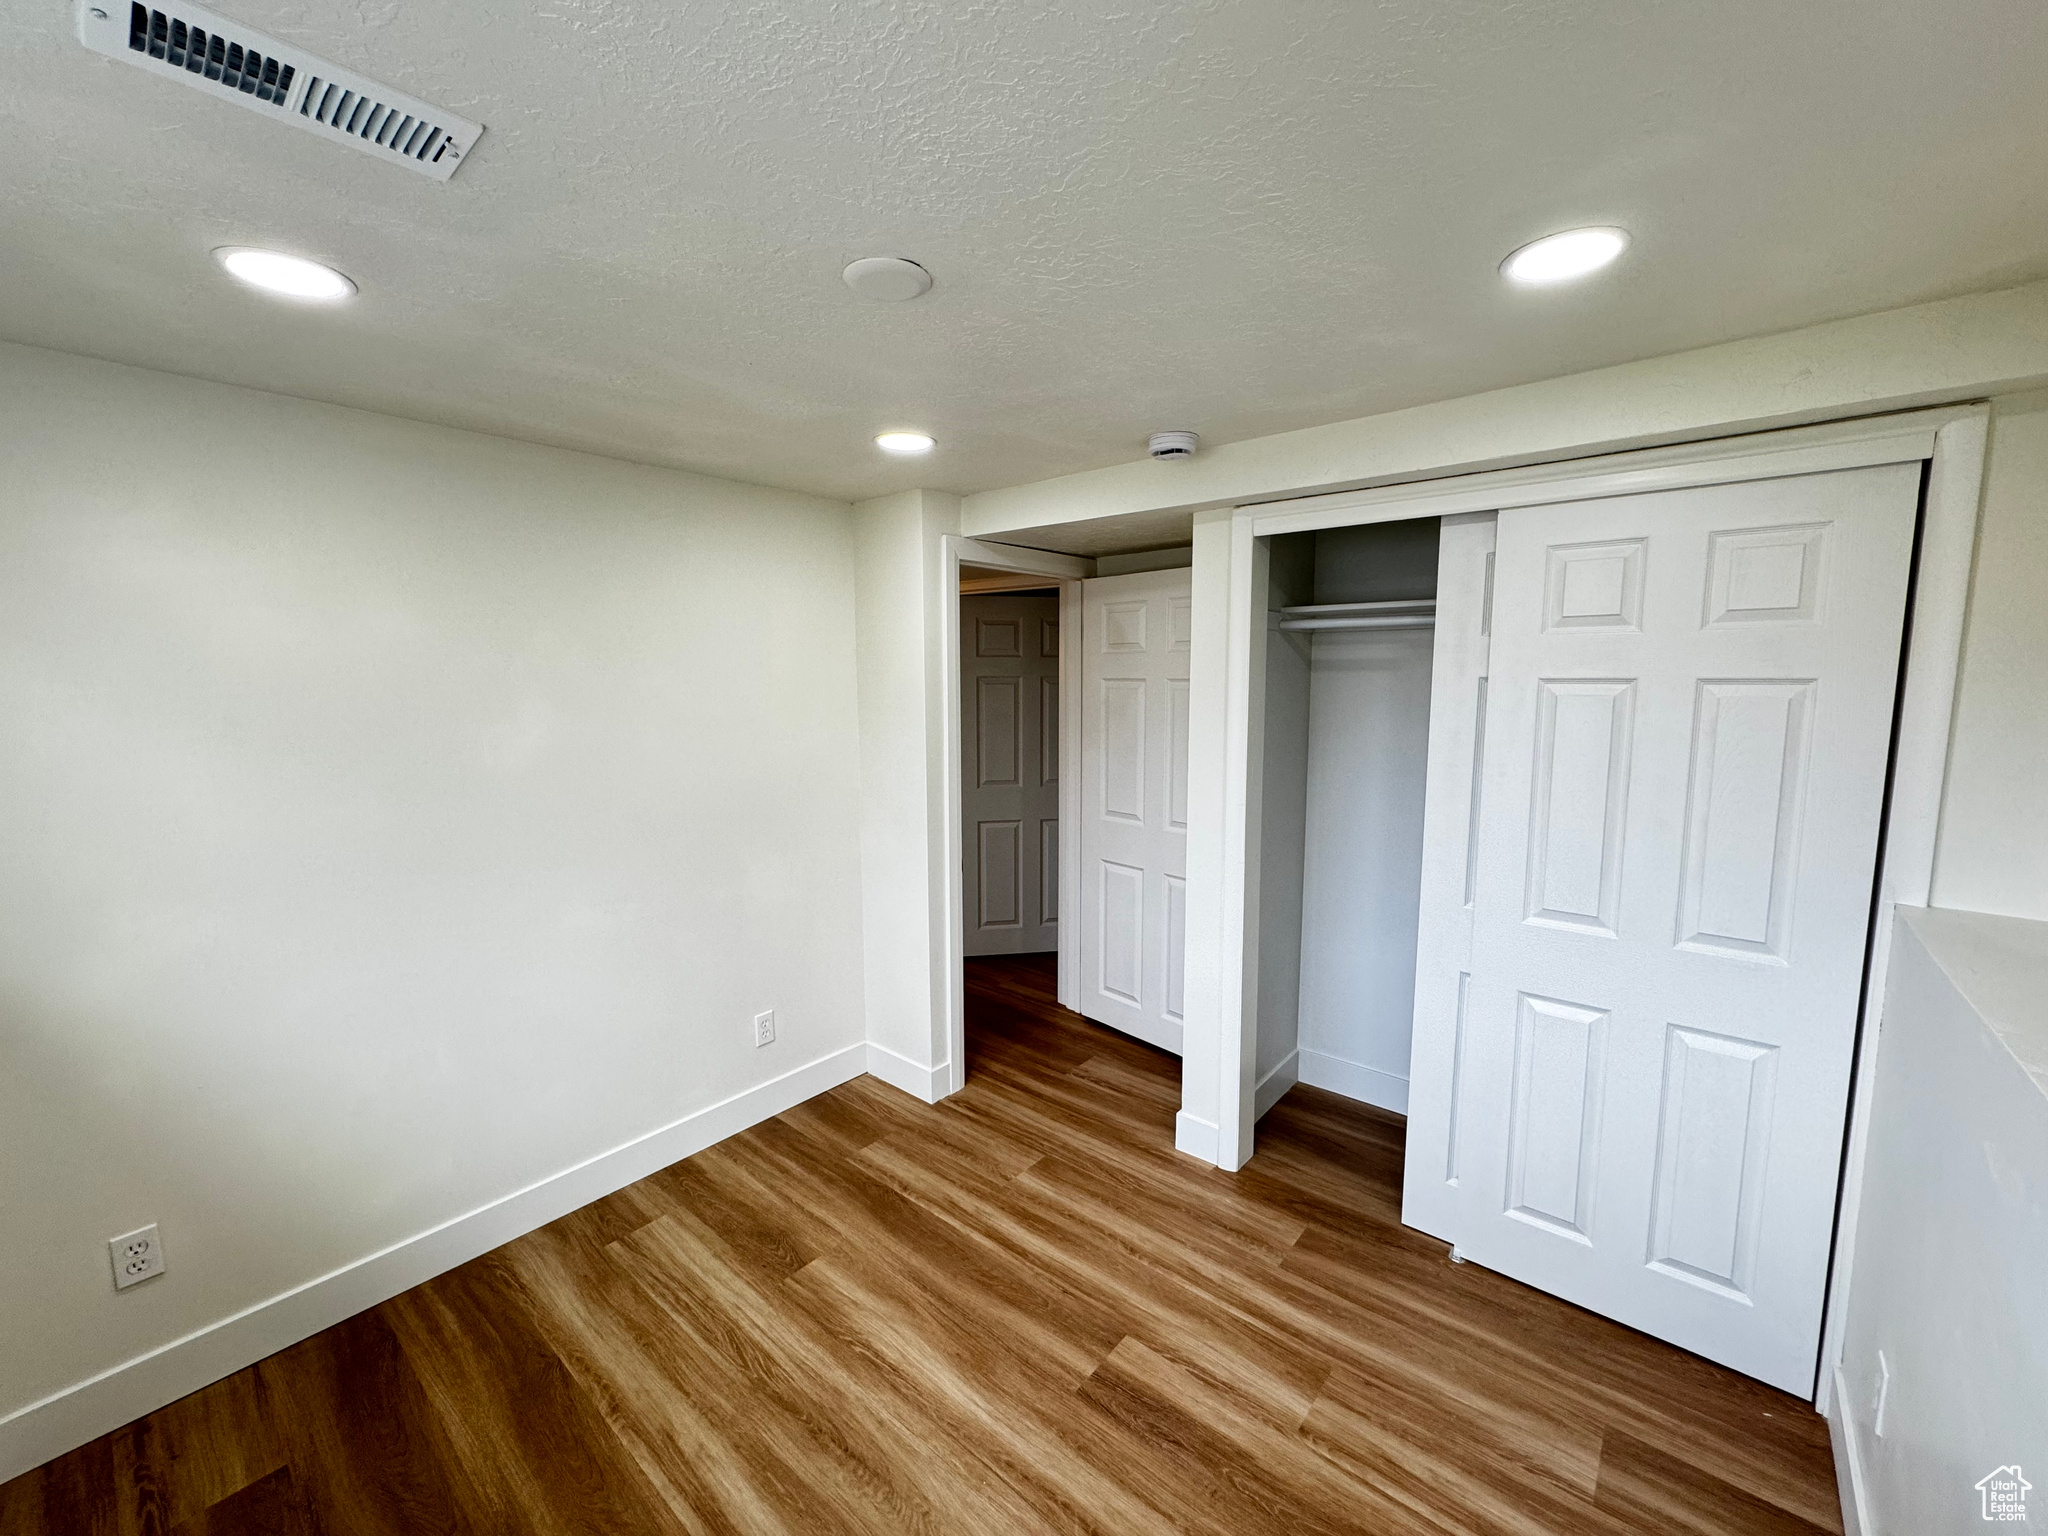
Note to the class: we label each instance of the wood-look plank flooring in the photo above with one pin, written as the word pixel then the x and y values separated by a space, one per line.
pixel 1020 1310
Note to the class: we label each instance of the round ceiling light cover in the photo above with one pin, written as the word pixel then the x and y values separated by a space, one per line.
pixel 1561 257
pixel 288 277
pixel 887 279
pixel 905 442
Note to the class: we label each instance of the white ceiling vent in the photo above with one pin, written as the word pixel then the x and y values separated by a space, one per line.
pixel 225 58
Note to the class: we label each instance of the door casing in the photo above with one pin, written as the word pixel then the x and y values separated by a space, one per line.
pixel 1065 571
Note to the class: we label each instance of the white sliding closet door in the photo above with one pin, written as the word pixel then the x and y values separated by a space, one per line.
pixel 1450 826
pixel 1010 772
pixel 1687 730
pixel 1135 637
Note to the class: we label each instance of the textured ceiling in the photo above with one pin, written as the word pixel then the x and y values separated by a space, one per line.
pixel 1239 218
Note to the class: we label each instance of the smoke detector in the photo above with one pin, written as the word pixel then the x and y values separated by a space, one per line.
pixel 1173 445
pixel 232 62
pixel 887 279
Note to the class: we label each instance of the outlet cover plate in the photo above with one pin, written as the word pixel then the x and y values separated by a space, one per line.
pixel 764 1028
pixel 137 1256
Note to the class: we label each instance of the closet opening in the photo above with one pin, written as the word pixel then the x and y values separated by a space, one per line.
pixel 1594 858
pixel 1348 660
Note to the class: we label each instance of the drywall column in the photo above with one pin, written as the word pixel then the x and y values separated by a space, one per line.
pixel 1944 1373
pixel 899 629
pixel 1195 1130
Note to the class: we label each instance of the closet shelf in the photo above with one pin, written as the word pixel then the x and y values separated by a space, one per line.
pixel 1414 613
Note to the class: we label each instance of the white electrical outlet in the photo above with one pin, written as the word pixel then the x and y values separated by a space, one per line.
pixel 136 1256
pixel 1884 1395
pixel 764 1027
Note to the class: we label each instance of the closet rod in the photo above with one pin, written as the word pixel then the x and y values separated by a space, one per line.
pixel 1364 621
pixel 1347 610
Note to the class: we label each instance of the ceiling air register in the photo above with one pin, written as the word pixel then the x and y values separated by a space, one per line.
pixel 287 84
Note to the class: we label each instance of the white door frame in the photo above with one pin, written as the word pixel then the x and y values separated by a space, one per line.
pixel 1950 440
pixel 1065 572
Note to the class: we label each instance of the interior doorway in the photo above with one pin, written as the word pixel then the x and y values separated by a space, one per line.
pixel 1010 765
pixel 1066 698
pixel 1010 769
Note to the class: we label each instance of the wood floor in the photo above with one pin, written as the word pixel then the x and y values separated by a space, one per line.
pixel 1018 1311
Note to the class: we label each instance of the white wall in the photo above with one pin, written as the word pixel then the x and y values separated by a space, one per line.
pixel 1368 760
pixel 1283 852
pixel 1993 854
pixel 395 817
pixel 1282 820
pixel 1368 763
pixel 1952 1235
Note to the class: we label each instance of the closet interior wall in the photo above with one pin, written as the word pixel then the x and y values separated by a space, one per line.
pixel 1346 750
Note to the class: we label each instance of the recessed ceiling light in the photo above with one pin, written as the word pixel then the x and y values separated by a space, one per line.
pixel 904 442
pixel 289 277
pixel 1562 257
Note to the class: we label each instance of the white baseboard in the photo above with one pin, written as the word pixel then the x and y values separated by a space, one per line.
pixel 1196 1137
pixel 1848 1463
pixel 68 1419
pixel 930 1084
pixel 1368 1085
pixel 1275 1083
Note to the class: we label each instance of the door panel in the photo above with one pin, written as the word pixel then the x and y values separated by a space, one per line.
pixel 1009 813
pixel 1554 1138
pixel 1688 718
pixel 997 728
pixel 1583 735
pixel 1452 800
pixel 1134 742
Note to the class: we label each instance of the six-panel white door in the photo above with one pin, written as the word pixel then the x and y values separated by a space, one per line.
pixel 1135 635
pixel 1689 715
pixel 1010 772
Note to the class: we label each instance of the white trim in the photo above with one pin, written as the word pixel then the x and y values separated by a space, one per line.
pixel 1941 596
pixel 990 586
pixel 1244 711
pixel 1274 1085
pixel 1355 1080
pixel 68 1419
pixel 1849 1483
pixel 1067 571
pixel 1194 1136
pixel 1952 438
pixel 1758 456
pixel 930 1084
